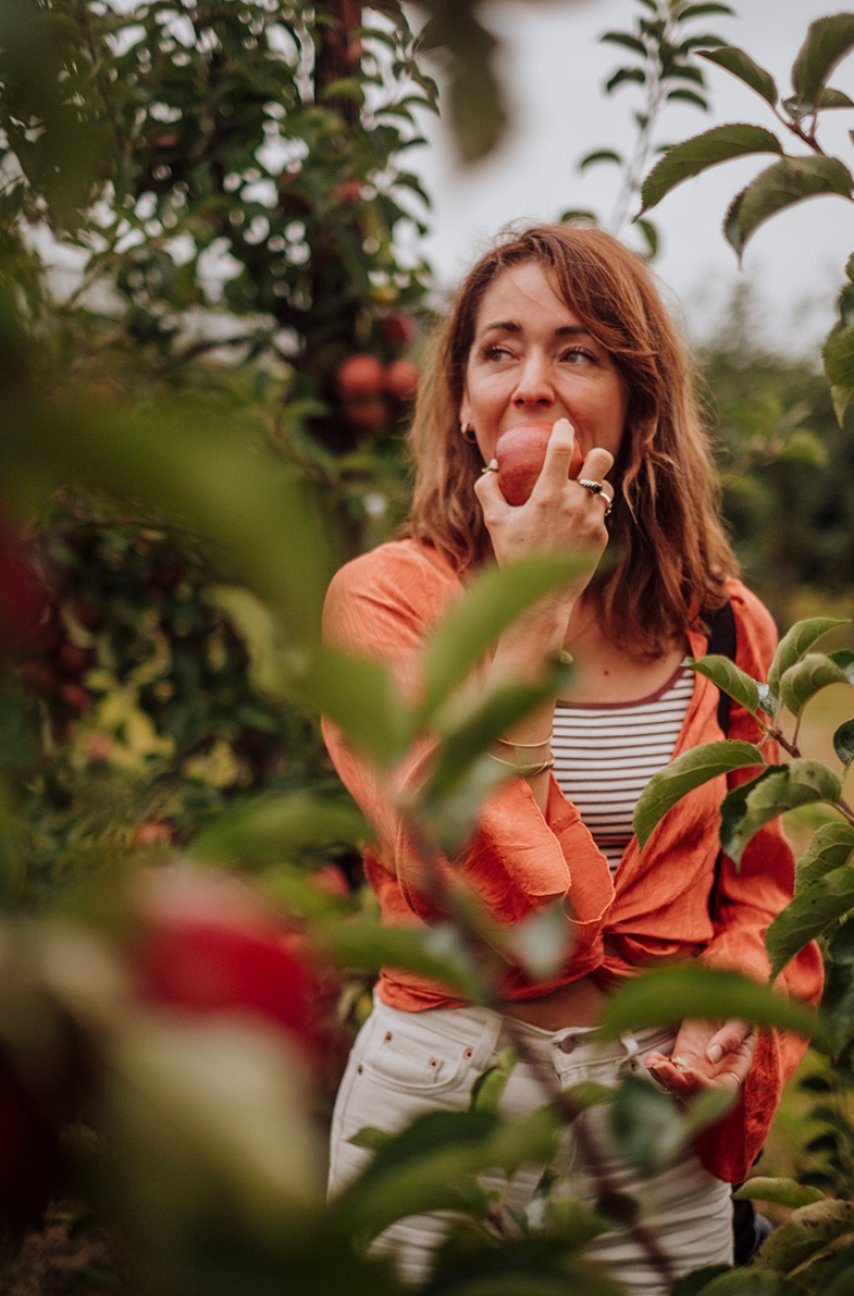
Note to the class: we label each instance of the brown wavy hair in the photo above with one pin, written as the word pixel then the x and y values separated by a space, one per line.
pixel 670 554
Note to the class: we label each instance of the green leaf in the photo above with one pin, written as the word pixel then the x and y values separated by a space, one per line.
pixel 599 155
pixel 843 742
pixel 701 10
pixel 466 733
pixel 361 697
pixel 735 1282
pixel 784 1192
pixel 541 944
pixel 270 828
pixel 645 1123
pixel 366 946
pixel 625 40
pixel 685 773
pixel 784 183
pixel 690 158
pixel 797 641
pixel 801 782
pixel 827 98
pixel 838 998
pixel 665 994
pixel 448 815
pixel 589 1093
pixel 429 1166
pixel 489 1087
pixel 828 40
pixel 815 671
pixel 741 65
pixel 650 233
pixel 492 601
pixel 844 658
pixel 579 214
pixel 808 915
pixel 809 1230
pixel 625 76
pixel 838 357
pixel 688 96
pixel 728 677
pixel 829 848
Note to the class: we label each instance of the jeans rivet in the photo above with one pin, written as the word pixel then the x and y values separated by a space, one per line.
pixel 388 1036
pixel 567 1044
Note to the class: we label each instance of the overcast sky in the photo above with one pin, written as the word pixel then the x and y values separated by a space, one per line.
pixel 554 68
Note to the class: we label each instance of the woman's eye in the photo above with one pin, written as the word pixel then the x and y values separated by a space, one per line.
pixel 577 355
pixel 496 353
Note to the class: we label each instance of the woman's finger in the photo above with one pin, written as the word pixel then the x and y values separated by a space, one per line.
pixel 730 1037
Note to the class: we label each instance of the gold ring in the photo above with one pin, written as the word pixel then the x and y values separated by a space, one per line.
pixel 597 488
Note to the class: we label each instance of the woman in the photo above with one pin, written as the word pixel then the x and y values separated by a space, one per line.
pixel 564 325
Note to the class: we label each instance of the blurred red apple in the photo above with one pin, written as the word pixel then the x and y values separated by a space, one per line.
pixel 401 379
pixel 24 602
pixel 366 413
pixel 520 452
pixel 358 376
pixel 208 945
pixel 152 833
pixel 396 330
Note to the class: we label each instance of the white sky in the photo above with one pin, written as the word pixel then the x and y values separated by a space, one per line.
pixel 554 68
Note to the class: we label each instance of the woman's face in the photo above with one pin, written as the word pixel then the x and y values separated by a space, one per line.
pixel 531 358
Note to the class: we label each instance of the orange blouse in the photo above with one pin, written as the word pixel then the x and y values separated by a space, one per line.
pixel 656 906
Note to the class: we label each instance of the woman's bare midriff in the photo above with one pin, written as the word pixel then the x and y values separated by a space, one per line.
pixel 577 1004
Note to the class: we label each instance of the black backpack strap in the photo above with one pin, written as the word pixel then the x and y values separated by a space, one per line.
pixel 749 1229
pixel 722 642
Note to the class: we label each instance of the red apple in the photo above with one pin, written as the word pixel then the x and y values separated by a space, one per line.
pixel 366 414
pixel 359 375
pixel 152 833
pixel 520 452
pixel 401 379
pixel 208 945
pixel 396 330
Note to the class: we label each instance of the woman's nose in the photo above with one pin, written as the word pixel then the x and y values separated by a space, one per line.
pixel 535 384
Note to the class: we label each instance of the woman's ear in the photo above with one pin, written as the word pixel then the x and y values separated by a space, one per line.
pixel 465 411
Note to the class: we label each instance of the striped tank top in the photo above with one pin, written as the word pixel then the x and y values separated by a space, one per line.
pixel 606 753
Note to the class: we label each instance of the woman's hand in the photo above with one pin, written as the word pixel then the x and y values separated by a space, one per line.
pixel 705 1056
pixel 559 517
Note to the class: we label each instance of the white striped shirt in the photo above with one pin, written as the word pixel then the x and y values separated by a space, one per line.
pixel 606 753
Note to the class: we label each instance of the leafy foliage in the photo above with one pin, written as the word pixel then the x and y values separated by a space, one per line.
pixel 789 180
pixel 665 48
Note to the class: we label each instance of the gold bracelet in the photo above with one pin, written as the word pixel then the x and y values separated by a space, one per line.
pixel 544 742
pixel 525 771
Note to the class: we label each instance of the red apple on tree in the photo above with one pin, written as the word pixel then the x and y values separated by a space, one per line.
pixel 360 376
pixel 207 945
pixel 401 379
pixel 520 452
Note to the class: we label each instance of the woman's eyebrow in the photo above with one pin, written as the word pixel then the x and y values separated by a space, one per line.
pixel 510 326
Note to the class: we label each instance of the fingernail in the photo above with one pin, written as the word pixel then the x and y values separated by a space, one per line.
pixel 714 1053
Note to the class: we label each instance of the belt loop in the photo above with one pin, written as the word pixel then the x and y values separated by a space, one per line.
pixel 486 1044
pixel 632 1048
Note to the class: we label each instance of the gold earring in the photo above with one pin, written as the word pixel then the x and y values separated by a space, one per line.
pixel 467 432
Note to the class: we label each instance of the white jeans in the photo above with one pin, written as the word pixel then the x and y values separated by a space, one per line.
pixel 405 1064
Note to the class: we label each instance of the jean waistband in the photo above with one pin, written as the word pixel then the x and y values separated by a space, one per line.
pixel 484 1031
